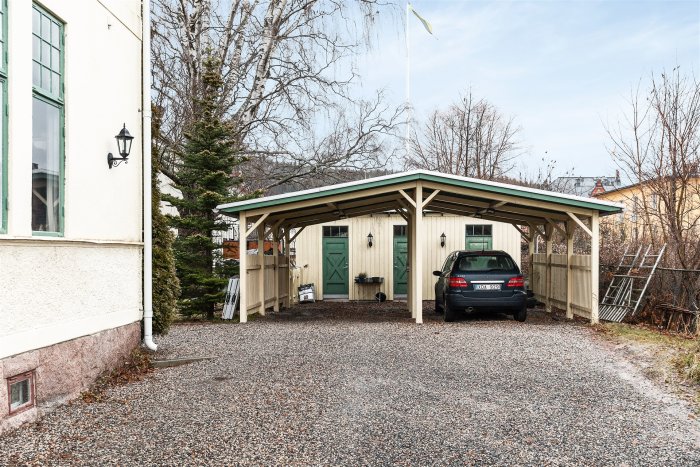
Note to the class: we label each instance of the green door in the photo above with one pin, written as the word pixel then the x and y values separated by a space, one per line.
pixel 479 243
pixel 400 260
pixel 479 237
pixel 335 266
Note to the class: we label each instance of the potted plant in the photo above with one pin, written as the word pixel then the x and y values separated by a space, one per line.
pixel 361 278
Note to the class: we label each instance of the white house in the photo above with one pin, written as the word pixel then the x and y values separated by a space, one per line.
pixel 71 243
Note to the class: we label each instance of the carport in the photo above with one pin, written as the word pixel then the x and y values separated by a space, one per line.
pixel 266 281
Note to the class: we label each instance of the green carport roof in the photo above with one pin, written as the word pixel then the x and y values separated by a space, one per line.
pixel 484 186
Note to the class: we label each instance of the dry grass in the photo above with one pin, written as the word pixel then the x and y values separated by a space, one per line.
pixel 134 368
pixel 647 334
pixel 671 353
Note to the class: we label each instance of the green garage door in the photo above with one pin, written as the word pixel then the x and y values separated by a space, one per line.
pixel 400 260
pixel 335 261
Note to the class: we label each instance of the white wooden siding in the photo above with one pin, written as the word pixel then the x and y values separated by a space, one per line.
pixel 379 260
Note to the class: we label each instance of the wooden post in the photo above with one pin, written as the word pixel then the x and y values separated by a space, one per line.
pixel 243 267
pixel 417 269
pixel 570 229
pixel 290 282
pixel 548 232
pixel 409 264
pixel 595 265
pixel 276 264
pixel 261 271
pixel 531 255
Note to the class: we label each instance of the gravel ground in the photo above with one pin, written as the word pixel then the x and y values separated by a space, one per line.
pixel 360 384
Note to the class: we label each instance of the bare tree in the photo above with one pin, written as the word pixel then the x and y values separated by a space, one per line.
pixel 279 61
pixel 470 138
pixel 657 146
pixel 353 145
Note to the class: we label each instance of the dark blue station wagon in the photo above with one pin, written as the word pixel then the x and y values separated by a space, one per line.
pixel 480 281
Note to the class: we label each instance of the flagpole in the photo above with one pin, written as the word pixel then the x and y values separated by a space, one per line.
pixel 408 85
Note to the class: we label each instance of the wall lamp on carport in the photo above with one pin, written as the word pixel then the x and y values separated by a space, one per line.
pixel 124 140
pixel 370 237
pixel 443 237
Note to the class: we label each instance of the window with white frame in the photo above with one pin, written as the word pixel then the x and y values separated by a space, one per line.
pixel 20 390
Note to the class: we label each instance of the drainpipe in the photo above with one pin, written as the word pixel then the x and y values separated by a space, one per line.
pixel 147 191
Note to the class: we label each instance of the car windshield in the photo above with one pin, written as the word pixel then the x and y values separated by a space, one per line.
pixel 483 263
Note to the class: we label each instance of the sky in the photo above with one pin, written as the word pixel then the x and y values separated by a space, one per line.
pixel 563 69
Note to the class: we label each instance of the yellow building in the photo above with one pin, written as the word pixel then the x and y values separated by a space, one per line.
pixel 644 209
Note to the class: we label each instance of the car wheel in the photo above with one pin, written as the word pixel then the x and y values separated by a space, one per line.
pixel 450 314
pixel 521 315
pixel 438 308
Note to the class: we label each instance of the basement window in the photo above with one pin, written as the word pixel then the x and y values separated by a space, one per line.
pixel 20 388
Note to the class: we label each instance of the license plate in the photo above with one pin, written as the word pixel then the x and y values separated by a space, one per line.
pixel 487 286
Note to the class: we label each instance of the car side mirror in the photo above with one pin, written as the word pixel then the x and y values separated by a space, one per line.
pixel 437 273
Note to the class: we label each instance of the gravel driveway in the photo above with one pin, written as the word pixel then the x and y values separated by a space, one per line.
pixel 360 384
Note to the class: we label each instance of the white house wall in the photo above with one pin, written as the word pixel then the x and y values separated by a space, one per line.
pixel 378 260
pixel 71 305
pixel 88 280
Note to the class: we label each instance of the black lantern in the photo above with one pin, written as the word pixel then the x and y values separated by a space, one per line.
pixel 443 237
pixel 124 140
pixel 370 237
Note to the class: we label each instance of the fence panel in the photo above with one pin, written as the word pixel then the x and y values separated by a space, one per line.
pixel 580 277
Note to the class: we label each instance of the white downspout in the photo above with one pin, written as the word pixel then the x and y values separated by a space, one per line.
pixel 147 191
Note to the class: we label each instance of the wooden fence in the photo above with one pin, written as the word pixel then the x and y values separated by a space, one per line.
pixel 580 282
pixel 273 290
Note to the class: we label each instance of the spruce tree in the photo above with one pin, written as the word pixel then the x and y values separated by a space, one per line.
pixel 205 180
pixel 166 286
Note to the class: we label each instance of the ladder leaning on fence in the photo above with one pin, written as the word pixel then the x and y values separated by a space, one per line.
pixel 629 284
pixel 231 298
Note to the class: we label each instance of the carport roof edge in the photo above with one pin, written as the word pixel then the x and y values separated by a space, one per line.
pixel 603 207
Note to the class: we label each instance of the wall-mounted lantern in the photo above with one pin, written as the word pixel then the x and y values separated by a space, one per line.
pixel 124 140
pixel 370 237
pixel 443 237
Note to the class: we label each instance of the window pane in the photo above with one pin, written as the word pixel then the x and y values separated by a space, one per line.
pixel 46 167
pixel 343 231
pixel 55 83
pixel 36 74
pixel 36 48
pixel 55 59
pixel 487 230
pixel 36 22
pixel 45 28
pixel 470 230
pixel 45 78
pixel 326 231
pixel 55 35
pixel 19 393
pixel 45 54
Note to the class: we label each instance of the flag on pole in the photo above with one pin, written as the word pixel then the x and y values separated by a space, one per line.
pixel 426 24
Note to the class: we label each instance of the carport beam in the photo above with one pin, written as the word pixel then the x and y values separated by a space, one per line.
pixel 276 266
pixel 288 298
pixel 243 267
pixel 261 271
pixel 411 249
pixel 417 269
pixel 549 231
pixel 570 229
pixel 595 265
